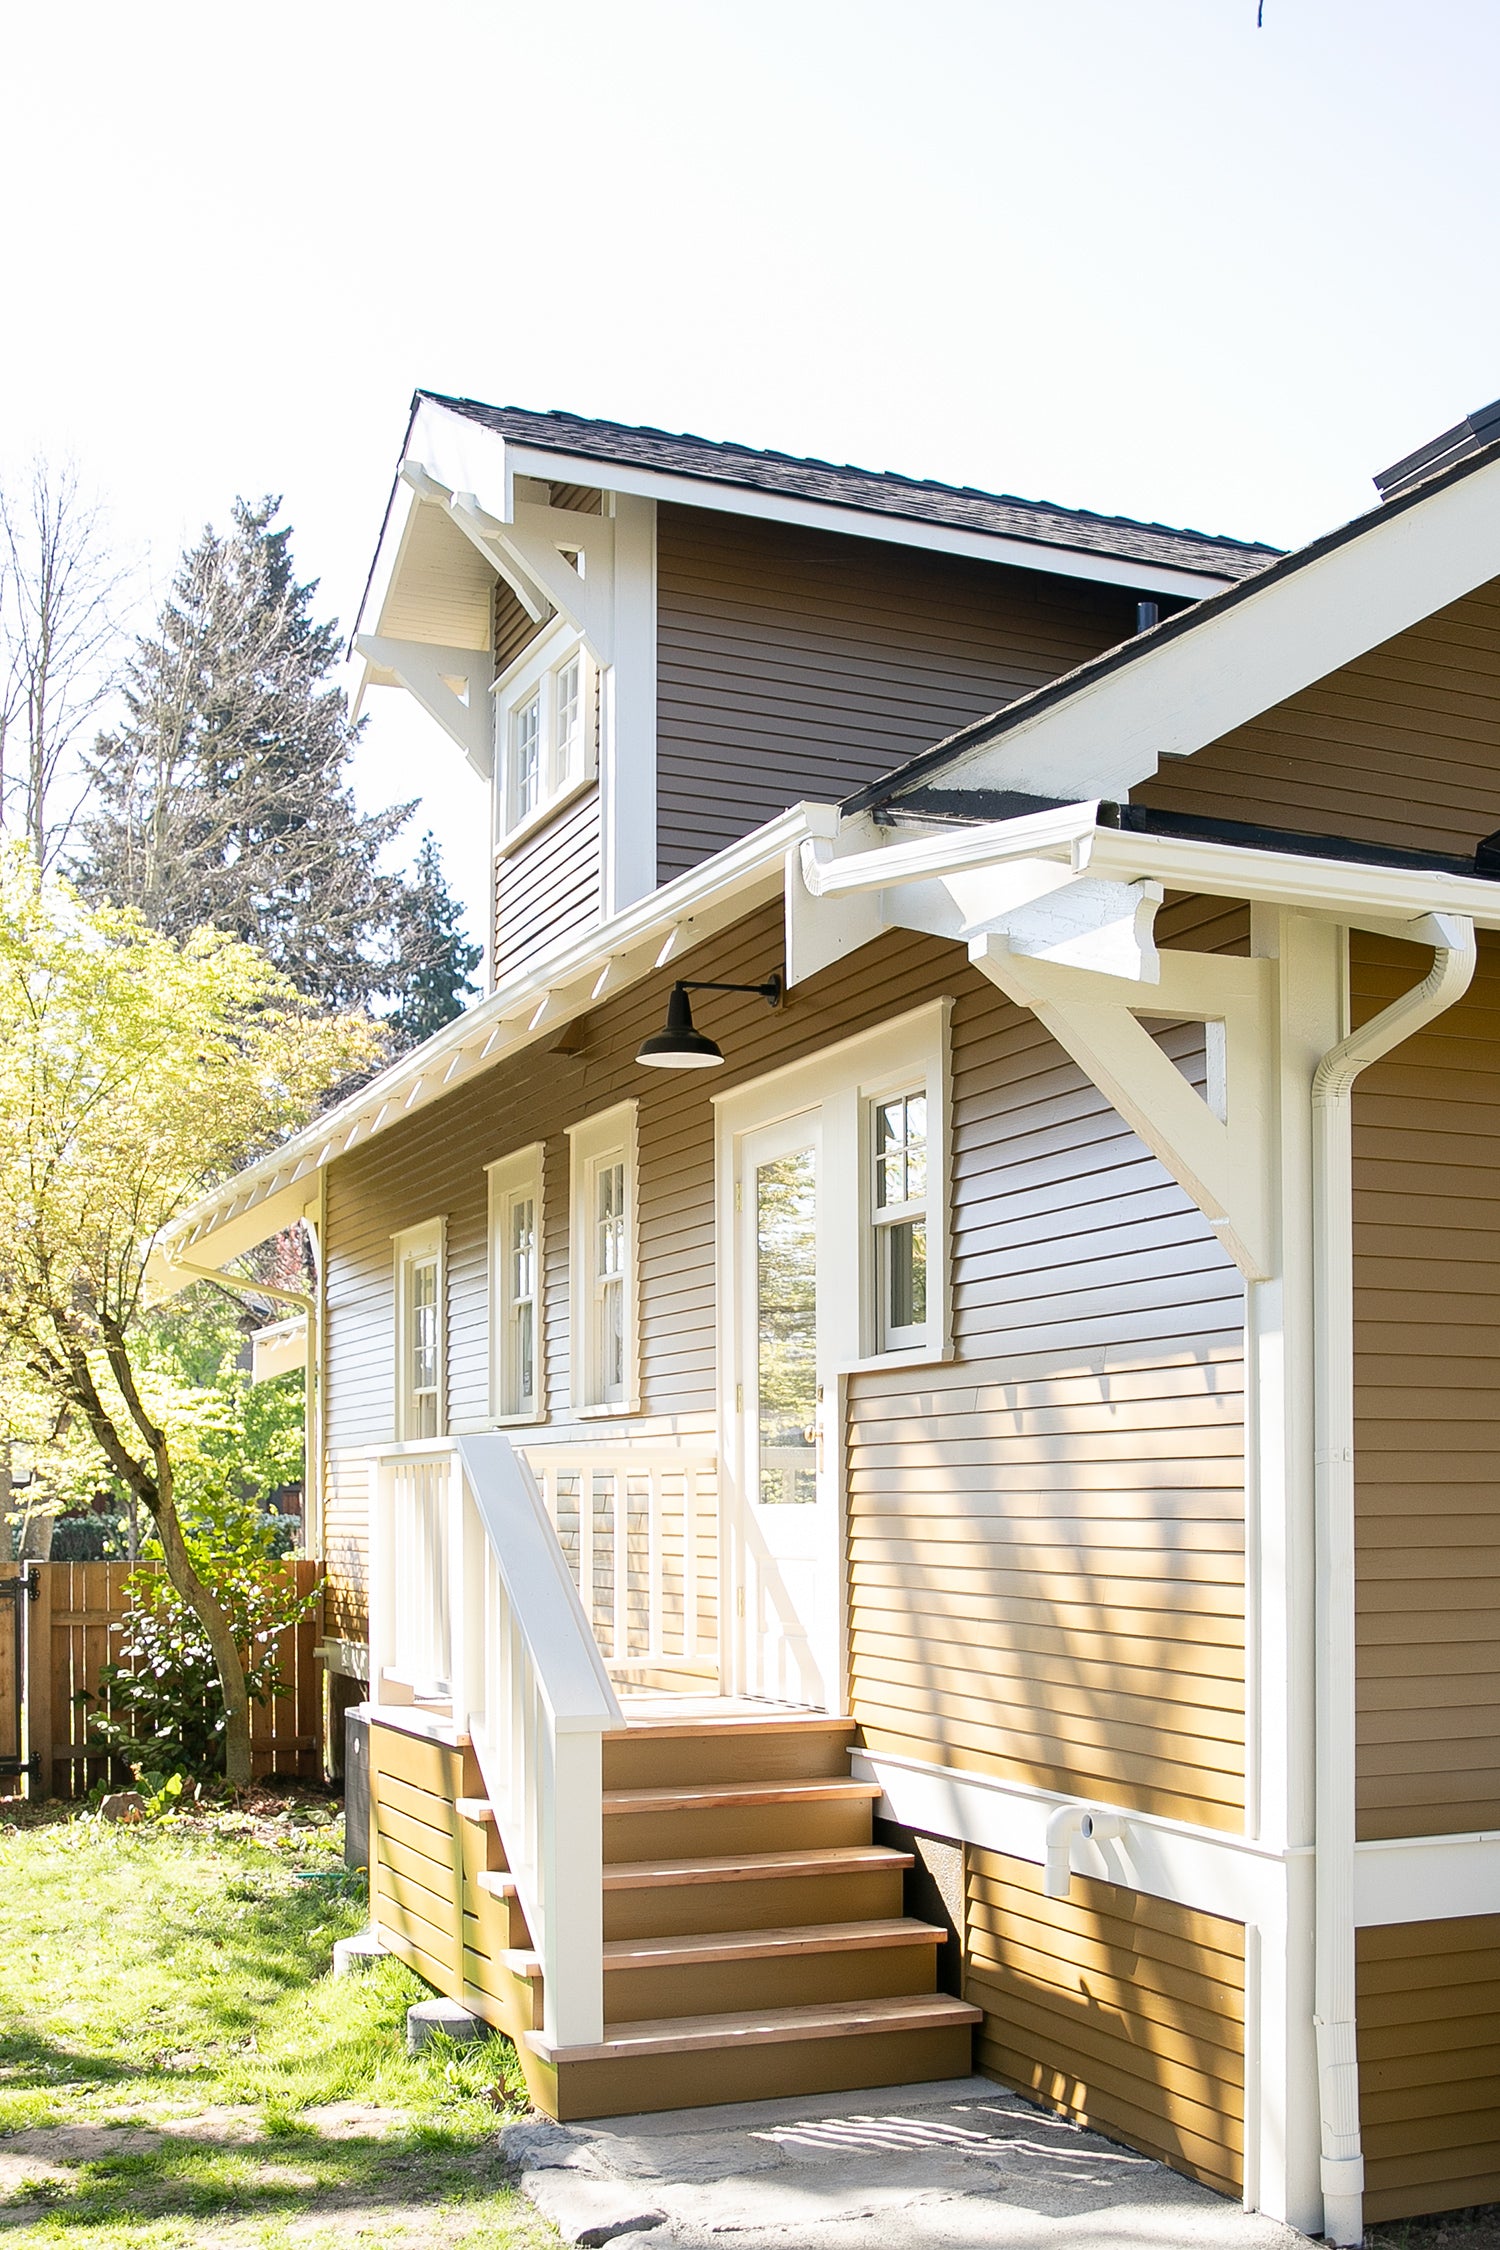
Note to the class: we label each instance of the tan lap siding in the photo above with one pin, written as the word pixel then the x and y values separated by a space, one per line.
pixel 1122 2011
pixel 1429 2065
pixel 434 1167
pixel 1047 1536
pixel 1427 1405
pixel 798 664
pixel 1397 748
pixel 548 887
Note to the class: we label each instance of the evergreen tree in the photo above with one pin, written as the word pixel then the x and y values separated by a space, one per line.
pixel 429 972
pixel 220 799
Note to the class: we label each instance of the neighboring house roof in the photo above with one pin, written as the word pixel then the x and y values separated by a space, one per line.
pixel 1164 694
pixel 876 492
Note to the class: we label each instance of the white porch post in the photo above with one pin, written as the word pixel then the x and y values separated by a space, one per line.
pixel 382 1574
pixel 573 1885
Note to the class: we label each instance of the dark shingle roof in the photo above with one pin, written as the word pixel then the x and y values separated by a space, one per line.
pixel 874 492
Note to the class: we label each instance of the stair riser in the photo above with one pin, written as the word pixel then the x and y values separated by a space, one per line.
pixel 779 1902
pixel 762 2071
pixel 636 1761
pixel 720 1829
pixel 791 1981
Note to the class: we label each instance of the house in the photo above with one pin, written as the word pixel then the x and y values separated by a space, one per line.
pixel 905 1410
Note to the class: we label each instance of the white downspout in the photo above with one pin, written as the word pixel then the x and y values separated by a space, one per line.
pixel 1452 936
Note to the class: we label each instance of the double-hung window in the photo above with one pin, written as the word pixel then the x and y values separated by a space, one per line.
pixel 603 1261
pixel 516 1382
pixel 546 732
pixel 898 1217
pixel 421 1323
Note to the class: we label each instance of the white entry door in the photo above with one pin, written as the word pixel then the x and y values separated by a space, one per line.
pixel 783 1521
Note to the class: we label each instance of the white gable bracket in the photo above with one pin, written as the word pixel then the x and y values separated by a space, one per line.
pixel 1222 1161
pixel 451 684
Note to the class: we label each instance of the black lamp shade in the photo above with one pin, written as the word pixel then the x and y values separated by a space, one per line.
pixel 679 1046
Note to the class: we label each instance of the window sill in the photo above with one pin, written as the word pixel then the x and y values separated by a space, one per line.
pixel 615 1410
pixel 920 1355
pixel 525 829
pixel 527 1421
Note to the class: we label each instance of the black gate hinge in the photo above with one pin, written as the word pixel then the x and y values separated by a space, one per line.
pixel 29 1769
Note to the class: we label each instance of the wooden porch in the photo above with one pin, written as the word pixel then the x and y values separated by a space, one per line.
pixel 665 1897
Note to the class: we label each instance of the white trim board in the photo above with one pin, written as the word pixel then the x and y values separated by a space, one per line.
pixel 1213 1871
pixel 853 522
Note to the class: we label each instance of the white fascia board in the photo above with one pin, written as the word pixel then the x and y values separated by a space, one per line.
pixel 1211 1870
pixel 1426 1878
pixel 1229 666
pixel 465 456
pixel 1351 891
pixel 862 523
pixel 280 1349
pixel 562 983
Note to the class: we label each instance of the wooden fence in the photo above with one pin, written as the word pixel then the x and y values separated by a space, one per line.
pixel 72 1630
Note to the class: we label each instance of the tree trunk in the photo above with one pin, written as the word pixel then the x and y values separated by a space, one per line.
pixel 155 1494
pixel 216 1624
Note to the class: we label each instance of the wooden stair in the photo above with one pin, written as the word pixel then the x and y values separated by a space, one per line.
pixel 755 1942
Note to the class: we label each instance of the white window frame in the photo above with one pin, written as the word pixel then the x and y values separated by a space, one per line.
pixel 514 1181
pixel 883 1220
pixel 907 1056
pixel 564 771
pixel 594 1145
pixel 414 1247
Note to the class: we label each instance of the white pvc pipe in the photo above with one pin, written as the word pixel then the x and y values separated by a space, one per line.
pixel 1333 1350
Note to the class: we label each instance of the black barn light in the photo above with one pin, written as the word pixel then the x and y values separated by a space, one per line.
pixel 679 1045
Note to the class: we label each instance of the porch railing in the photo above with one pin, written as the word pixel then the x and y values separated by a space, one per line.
pixel 639 1528
pixel 525 1679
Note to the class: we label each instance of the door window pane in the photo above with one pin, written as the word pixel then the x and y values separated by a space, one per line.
pixel 786 1300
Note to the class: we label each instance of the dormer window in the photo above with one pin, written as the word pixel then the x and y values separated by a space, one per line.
pixel 546 731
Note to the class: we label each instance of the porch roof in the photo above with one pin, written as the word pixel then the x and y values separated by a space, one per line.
pixel 281 1187
pixel 817 858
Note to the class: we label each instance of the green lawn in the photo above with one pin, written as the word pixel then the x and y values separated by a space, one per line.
pixel 177 2066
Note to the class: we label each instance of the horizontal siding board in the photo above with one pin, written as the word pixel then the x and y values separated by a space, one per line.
pixel 1427 1400
pixel 1428 2011
pixel 1123 2011
pixel 795 664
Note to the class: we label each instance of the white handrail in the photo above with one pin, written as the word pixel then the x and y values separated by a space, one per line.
pixel 531 1687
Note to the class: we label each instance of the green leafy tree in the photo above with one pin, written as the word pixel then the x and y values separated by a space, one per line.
pixel 135 1071
pixel 434 955
pixel 221 797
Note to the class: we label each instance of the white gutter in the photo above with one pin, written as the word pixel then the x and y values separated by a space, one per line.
pixel 1333 1379
pixel 1055 834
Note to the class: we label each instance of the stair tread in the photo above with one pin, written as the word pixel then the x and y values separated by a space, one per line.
pixel 837 2019
pixel 702 1796
pixel 474 1808
pixel 736 1945
pixel 733 1724
pixel 497 1883
pixel 832 1859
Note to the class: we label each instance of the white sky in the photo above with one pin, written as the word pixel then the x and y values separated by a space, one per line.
pixel 1133 255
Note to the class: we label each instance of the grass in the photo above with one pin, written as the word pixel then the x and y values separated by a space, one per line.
pixel 178 2067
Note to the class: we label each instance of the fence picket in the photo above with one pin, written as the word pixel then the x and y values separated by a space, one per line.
pixel 73 1629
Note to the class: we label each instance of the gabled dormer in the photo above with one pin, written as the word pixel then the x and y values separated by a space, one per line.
pixel 650 645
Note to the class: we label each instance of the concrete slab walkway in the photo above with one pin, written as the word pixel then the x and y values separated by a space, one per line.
pixel 963 2165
